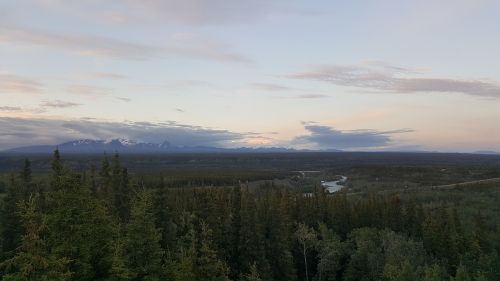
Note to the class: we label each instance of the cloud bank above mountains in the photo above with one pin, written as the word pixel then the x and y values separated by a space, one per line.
pixel 19 132
pixel 15 132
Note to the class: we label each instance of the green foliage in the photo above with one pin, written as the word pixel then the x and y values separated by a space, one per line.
pixel 253 275
pixel 10 222
pixel 331 252
pixel 118 226
pixel 383 254
pixel 435 273
pixel 462 274
pixel 119 270
pixel 251 239
pixel 142 242
pixel 33 261
pixel 208 266
pixel 307 239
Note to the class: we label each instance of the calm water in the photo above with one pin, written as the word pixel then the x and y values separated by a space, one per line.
pixel 334 186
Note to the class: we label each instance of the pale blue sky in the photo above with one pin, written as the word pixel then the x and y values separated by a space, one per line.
pixel 354 75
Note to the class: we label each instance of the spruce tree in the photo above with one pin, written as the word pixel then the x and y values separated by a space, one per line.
pixel 105 179
pixel 119 270
pixel 79 227
pixel 208 266
pixel 142 242
pixel 253 275
pixel 34 261
pixel 251 240
pixel 234 255
pixel 10 223
pixel 461 274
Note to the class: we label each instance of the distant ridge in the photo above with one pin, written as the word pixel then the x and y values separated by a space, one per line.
pixel 126 146
pixel 487 152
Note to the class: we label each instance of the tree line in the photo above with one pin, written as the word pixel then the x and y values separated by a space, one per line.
pixel 104 224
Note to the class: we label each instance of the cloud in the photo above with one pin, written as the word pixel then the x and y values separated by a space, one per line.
pixel 312 96
pixel 190 83
pixel 80 44
pixel 326 137
pixel 10 108
pixel 182 44
pixel 385 78
pixel 271 87
pixel 16 132
pixel 180 110
pixel 185 12
pixel 123 99
pixel 59 104
pixel 304 96
pixel 107 75
pixel 86 90
pixel 198 46
pixel 202 12
pixel 13 84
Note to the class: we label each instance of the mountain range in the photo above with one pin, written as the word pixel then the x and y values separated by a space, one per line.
pixel 127 146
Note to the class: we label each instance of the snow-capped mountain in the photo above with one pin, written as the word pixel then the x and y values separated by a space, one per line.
pixel 120 145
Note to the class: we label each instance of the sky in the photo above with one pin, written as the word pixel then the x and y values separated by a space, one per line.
pixel 380 75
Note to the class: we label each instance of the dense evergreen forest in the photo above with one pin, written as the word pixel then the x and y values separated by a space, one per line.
pixel 105 224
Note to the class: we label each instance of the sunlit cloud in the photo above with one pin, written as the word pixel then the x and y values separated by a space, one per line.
pixel 123 99
pixel 13 84
pixel 10 108
pixel 81 44
pixel 259 141
pixel 107 75
pixel 304 96
pixel 311 96
pixel 181 44
pixel 186 12
pixel 197 46
pixel 270 87
pixel 87 90
pixel 59 104
pixel 391 79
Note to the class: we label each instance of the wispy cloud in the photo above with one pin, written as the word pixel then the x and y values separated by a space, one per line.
pixel 80 44
pixel 18 132
pixel 182 44
pixel 197 46
pixel 304 96
pixel 107 75
pixel 270 87
pixel 188 83
pixel 386 78
pixel 123 99
pixel 87 90
pixel 10 108
pixel 59 104
pixel 326 137
pixel 13 84
pixel 186 12
pixel 311 96
pixel 202 12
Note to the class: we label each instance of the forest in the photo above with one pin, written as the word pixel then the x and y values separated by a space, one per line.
pixel 106 222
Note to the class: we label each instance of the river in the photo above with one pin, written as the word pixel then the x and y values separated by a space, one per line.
pixel 334 186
